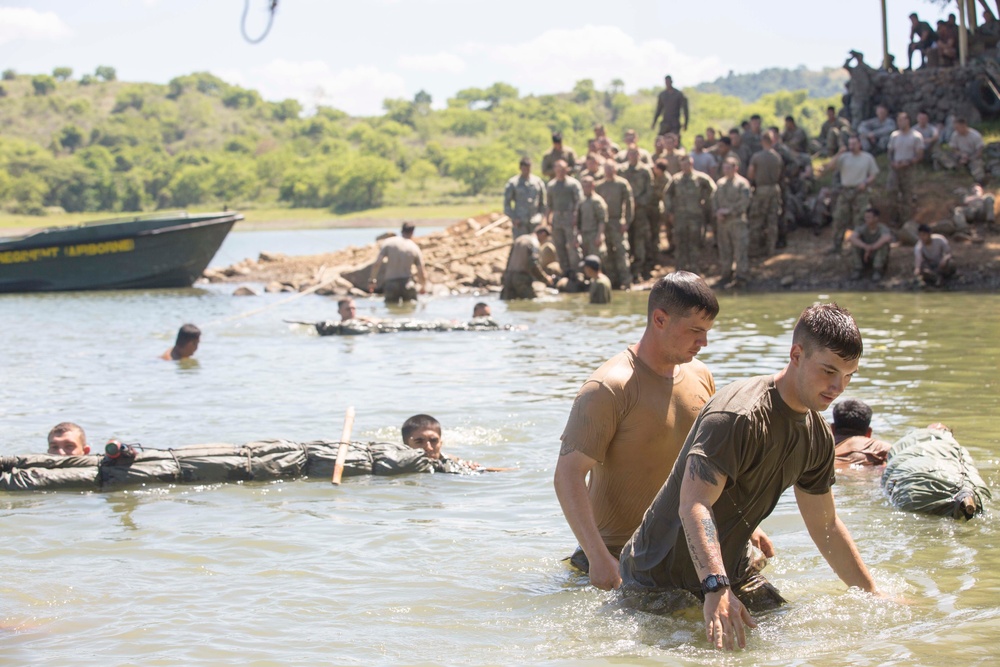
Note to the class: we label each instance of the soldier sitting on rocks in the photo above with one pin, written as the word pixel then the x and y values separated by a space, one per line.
pixel 870 246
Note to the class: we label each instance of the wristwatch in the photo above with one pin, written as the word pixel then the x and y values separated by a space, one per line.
pixel 714 583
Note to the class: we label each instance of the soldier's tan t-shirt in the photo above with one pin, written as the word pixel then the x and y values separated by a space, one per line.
pixel 401 254
pixel 633 423
pixel 767 167
pixel 763 447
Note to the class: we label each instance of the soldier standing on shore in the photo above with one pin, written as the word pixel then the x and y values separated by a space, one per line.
pixel 558 152
pixel 732 199
pixel 671 104
pixel 641 181
pixel 563 196
pixel 906 151
pixel 592 220
pixel 765 171
pixel 617 195
pixel 524 200
pixel 689 200
pixel 857 170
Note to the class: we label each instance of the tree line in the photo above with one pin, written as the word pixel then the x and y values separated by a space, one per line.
pixel 99 144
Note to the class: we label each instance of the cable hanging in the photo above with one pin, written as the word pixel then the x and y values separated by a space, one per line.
pixel 272 7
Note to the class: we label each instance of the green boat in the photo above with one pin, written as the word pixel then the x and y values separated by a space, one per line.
pixel 159 250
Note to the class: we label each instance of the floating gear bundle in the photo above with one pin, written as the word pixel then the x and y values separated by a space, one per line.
pixel 928 471
pixel 260 461
pixel 362 327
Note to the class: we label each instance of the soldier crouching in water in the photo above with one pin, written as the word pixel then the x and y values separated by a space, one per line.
pixel 523 267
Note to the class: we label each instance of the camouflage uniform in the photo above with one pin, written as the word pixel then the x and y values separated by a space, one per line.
pixel 689 199
pixel 617 195
pixel 563 197
pixel 833 135
pixel 524 203
pixel 641 181
pixel 733 231
pixel 765 206
pixel 849 211
pixel 880 259
pixel 973 209
pixel 796 139
pixel 671 103
pixel 657 218
pixel 549 161
pixel 592 220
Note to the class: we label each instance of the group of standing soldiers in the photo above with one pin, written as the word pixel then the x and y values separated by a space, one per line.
pixel 617 202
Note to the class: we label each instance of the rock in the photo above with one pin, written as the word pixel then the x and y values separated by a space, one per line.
pixel 235 270
pixel 271 257
pixel 907 234
pixel 245 291
pixel 273 287
pixel 213 275
pixel 787 281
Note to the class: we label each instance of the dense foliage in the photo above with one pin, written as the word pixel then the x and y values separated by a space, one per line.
pixel 99 144
pixel 748 87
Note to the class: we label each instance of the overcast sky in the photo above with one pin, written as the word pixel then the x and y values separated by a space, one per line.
pixel 353 54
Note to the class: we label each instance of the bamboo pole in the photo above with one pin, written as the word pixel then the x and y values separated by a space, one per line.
pixel 885 38
pixel 345 440
pixel 963 35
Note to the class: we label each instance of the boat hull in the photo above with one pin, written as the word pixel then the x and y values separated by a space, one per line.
pixel 135 254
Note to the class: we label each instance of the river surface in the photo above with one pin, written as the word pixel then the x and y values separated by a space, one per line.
pixel 439 569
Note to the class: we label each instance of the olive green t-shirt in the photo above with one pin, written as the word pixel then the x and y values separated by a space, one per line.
pixel 763 447
pixel 633 422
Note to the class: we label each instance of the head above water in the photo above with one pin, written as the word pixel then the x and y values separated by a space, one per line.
pixel 186 344
pixel 423 432
pixel 852 417
pixel 680 294
pixel 347 309
pixel 481 309
pixel 67 439
pixel 827 326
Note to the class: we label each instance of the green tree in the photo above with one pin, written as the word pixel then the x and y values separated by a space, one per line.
pixel 499 92
pixel 481 168
pixel 285 110
pixel 62 73
pixel 363 183
pixel 129 98
pixel 71 137
pixel 105 73
pixel 9 75
pixel 43 84
pixel 87 80
pixel 420 172
pixel 400 110
pixel 584 91
pixel 422 97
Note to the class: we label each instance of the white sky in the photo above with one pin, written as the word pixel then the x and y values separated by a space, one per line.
pixel 352 54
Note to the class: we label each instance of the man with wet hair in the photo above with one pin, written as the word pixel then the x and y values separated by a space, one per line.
pixel 481 309
pixel 68 439
pixel 852 436
pixel 185 345
pixel 423 432
pixel 751 441
pixel 628 422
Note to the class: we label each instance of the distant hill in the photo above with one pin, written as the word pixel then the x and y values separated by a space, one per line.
pixel 751 87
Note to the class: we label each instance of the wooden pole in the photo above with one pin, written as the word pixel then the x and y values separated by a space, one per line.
pixel 345 440
pixel 973 20
pixel 885 38
pixel 963 34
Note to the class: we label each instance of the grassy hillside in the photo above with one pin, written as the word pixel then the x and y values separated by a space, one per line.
pixel 101 145
pixel 828 82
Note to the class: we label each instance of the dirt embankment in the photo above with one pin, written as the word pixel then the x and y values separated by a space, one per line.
pixel 471 255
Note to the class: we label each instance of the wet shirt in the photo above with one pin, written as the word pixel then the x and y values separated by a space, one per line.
pixel 400 255
pixel 524 255
pixel 763 447
pixel 600 289
pixel 633 423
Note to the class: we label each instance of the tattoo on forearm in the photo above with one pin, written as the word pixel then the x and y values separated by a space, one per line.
pixel 703 469
pixel 711 533
pixel 692 549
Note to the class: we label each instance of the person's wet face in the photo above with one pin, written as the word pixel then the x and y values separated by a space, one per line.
pixel 427 440
pixel 69 443
pixel 821 376
pixel 681 337
pixel 188 349
pixel 348 310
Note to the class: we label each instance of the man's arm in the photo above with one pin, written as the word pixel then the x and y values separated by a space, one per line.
pixel 508 199
pixel 725 616
pixel 421 274
pixel 659 111
pixel 375 268
pixel 571 490
pixel 833 539
pixel 684 110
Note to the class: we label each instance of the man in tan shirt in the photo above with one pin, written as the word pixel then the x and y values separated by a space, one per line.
pixel 629 421
pixel 400 255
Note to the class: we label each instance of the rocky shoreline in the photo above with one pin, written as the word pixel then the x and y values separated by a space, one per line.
pixel 470 255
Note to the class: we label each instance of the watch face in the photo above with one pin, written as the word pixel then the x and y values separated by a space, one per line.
pixel 711 583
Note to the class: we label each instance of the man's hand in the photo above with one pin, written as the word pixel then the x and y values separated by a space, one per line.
pixel 726 619
pixel 604 571
pixel 760 540
pixel 863 186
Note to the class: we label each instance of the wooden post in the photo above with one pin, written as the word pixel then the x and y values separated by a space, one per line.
pixel 885 38
pixel 345 440
pixel 963 34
